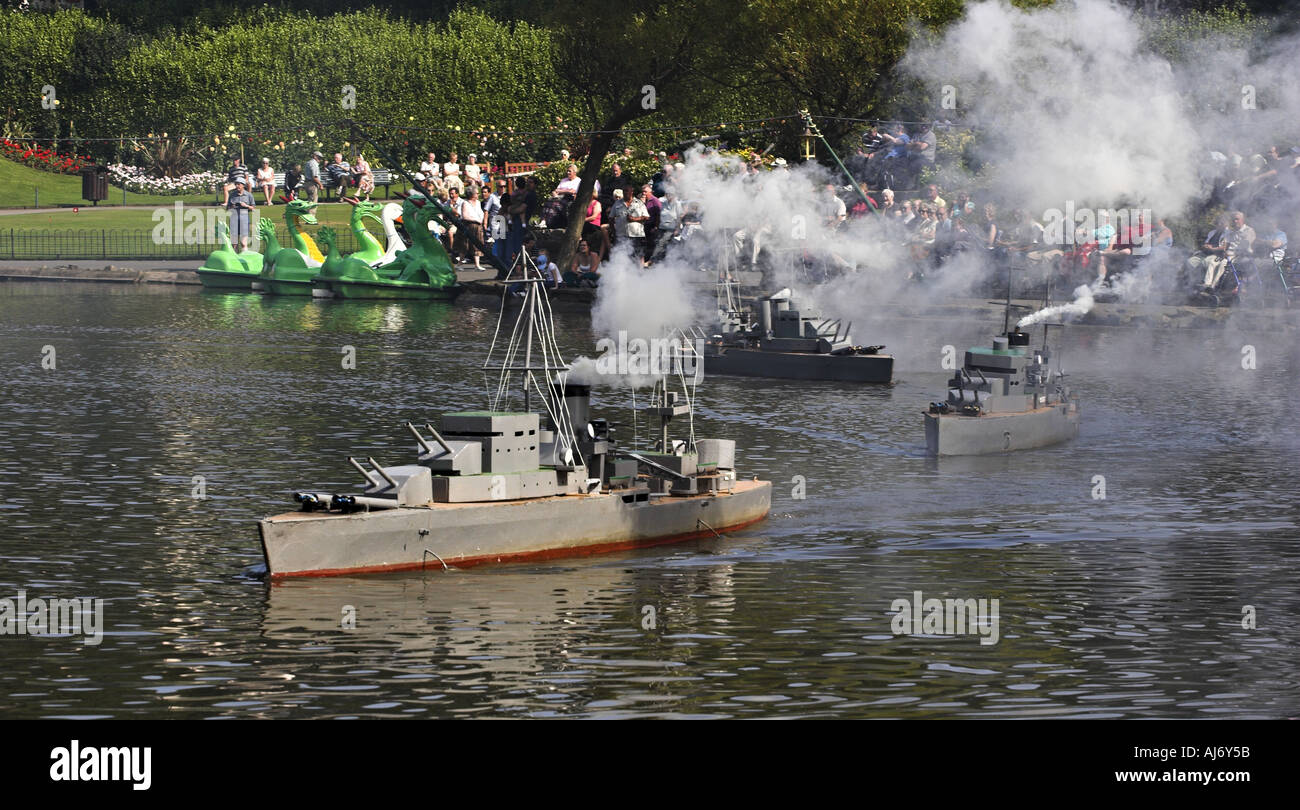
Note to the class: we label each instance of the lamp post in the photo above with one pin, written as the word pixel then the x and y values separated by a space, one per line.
pixel 811 131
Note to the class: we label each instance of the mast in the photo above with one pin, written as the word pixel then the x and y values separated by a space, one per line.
pixel 1006 317
pixel 532 336
pixel 817 133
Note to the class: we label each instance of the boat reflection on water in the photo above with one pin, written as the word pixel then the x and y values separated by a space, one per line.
pixel 577 625
pixel 236 309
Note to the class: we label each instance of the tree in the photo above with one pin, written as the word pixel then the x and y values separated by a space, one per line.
pixel 631 60
pixel 838 57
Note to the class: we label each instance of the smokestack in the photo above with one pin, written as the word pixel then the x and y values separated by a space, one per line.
pixel 577 398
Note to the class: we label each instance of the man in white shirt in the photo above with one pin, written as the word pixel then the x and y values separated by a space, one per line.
pixel 670 217
pixel 1237 243
pixel 637 217
pixel 835 209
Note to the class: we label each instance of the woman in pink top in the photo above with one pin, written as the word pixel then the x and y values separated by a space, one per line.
pixel 592 231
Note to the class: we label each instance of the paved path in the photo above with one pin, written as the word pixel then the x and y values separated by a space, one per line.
pixel 53 209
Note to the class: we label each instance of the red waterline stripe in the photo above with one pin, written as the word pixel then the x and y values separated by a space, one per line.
pixel 522 556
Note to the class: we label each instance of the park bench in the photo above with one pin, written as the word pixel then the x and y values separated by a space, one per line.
pixel 383 177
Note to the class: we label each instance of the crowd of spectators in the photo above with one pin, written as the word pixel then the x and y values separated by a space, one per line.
pixel 1248 246
pixel 931 227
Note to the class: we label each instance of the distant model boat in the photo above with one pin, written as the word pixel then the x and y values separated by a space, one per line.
pixel 503 485
pixel 776 339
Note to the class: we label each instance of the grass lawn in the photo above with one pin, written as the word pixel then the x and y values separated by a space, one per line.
pixel 18 185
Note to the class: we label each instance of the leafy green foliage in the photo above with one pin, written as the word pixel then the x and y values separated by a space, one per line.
pixel 837 57
pixel 639 169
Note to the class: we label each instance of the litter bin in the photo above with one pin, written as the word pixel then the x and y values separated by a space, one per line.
pixel 94 183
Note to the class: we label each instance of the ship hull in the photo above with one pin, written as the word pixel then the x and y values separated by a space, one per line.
pixel 300 544
pixel 861 368
pixel 956 435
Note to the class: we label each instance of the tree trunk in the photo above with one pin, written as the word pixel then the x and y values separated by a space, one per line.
pixel 600 145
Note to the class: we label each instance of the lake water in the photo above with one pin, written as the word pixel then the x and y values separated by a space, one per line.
pixel 1174 595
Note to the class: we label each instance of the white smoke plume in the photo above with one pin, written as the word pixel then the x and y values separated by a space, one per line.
pixel 1074 109
pixel 1074 103
pixel 638 310
pixel 1081 305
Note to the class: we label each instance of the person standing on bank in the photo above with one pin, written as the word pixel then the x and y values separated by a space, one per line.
pixel 239 203
pixel 637 217
pixel 311 182
pixel 471 211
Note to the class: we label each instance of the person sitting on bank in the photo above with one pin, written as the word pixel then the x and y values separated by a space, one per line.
pixel 339 173
pixel 584 267
pixel 266 180
pixel 293 181
pixel 549 270
pixel 362 177
pixel 237 174
pixel 1238 240
pixel 1214 246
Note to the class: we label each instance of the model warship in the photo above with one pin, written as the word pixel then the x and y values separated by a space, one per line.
pixel 505 485
pixel 1003 398
pixel 774 338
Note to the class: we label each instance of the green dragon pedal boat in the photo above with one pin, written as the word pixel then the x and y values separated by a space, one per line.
pixel 423 271
pixel 228 270
pixel 291 270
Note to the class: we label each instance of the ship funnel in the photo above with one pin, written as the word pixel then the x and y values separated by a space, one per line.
pixel 765 317
pixel 1018 338
pixel 577 398
pixel 999 343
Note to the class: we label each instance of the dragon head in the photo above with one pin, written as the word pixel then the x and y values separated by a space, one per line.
pixel 365 208
pixel 423 215
pixel 302 209
pixel 327 236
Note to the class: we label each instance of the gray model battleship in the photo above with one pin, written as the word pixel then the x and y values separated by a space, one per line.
pixel 501 485
pixel 774 339
pixel 1003 398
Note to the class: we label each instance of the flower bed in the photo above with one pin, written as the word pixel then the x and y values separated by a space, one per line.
pixel 39 157
pixel 134 178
